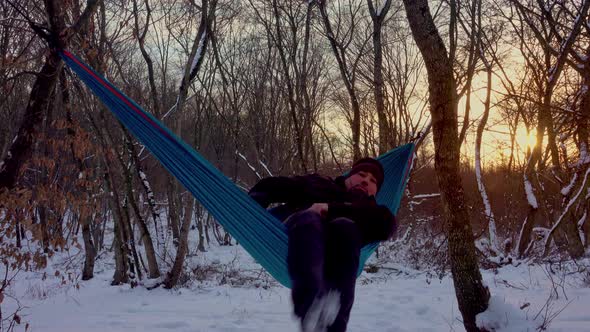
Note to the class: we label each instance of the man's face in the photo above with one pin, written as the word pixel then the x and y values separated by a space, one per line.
pixel 364 181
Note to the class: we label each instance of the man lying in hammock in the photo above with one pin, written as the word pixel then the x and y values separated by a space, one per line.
pixel 328 221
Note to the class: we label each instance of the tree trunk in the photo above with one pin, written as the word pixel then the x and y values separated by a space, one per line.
pixel 174 275
pixel 200 229
pixel 121 276
pixel 153 270
pixel 173 217
pixel 582 125
pixel 494 245
pixel 567 221
pixel 21 150
pixel 191 69
pixel 89 250
pixel 127 233
pixel 378 16
pixel 472 295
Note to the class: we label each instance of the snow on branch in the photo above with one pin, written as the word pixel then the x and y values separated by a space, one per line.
pixel 249 165
pixel 427 195
pixel 199 51
pixel 584 156
pixel 530 195
pixel 566 45
pixel 566 210
pixel 566 190
pixel 265 167
pixel 580 224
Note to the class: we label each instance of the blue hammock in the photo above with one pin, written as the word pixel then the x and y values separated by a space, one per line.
pixel 261 234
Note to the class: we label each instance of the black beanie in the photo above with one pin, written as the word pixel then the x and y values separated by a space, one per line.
pixel 370 165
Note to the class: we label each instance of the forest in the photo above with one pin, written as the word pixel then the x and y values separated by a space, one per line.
pixel 493 93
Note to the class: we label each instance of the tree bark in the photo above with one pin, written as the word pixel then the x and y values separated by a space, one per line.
pixel 150 252
pixel 89 250
pixel 140 34
pixel 494 245
pixel 174 274
pixel 199 215
pixel 472 295
pixel 120 276
pixel 378 16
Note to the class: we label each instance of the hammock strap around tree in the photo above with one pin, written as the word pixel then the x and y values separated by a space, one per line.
pixel 261 234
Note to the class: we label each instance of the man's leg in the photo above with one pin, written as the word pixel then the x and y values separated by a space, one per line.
pixel 343 245
pixel 305 259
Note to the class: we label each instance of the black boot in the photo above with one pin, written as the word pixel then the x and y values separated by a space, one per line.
pixel 343 246
pixel 305 260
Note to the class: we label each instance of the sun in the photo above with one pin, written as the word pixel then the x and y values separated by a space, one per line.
pixel 525 140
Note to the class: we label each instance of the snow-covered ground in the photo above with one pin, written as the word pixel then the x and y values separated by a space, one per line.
pixel 394 299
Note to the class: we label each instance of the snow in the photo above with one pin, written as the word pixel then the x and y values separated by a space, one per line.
pixel 502 316
pixel 426 195
pixel 569 206
pixel 530 196
pixel 405 300
pixel 566 190
pixel 486 202
pixel 580 224
pixel 249 165
pixel 199 51
pixel 265 168
pixel 172 108
pixel 419 199
pixel 404 238
pixel 565 46
pixel 584 156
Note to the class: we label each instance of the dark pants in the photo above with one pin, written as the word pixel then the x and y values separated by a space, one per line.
pixel 323 256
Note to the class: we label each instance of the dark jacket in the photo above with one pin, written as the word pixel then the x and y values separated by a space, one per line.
pixel 297 193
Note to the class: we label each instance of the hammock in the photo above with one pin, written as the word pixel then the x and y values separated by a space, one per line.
pixel 261 234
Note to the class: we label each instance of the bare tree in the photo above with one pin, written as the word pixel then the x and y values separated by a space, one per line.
pixel 195 60
pixel 472 295
pixel 546 35
pixel 340 41
pixel 378 15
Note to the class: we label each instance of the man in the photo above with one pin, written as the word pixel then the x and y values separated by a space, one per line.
pixel 328 221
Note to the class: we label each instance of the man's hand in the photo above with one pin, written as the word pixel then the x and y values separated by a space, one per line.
pixel 319 208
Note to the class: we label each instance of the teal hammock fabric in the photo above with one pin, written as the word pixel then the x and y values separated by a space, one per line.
pixel 261 234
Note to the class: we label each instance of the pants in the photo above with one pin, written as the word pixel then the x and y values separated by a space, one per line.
pixel 323 256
